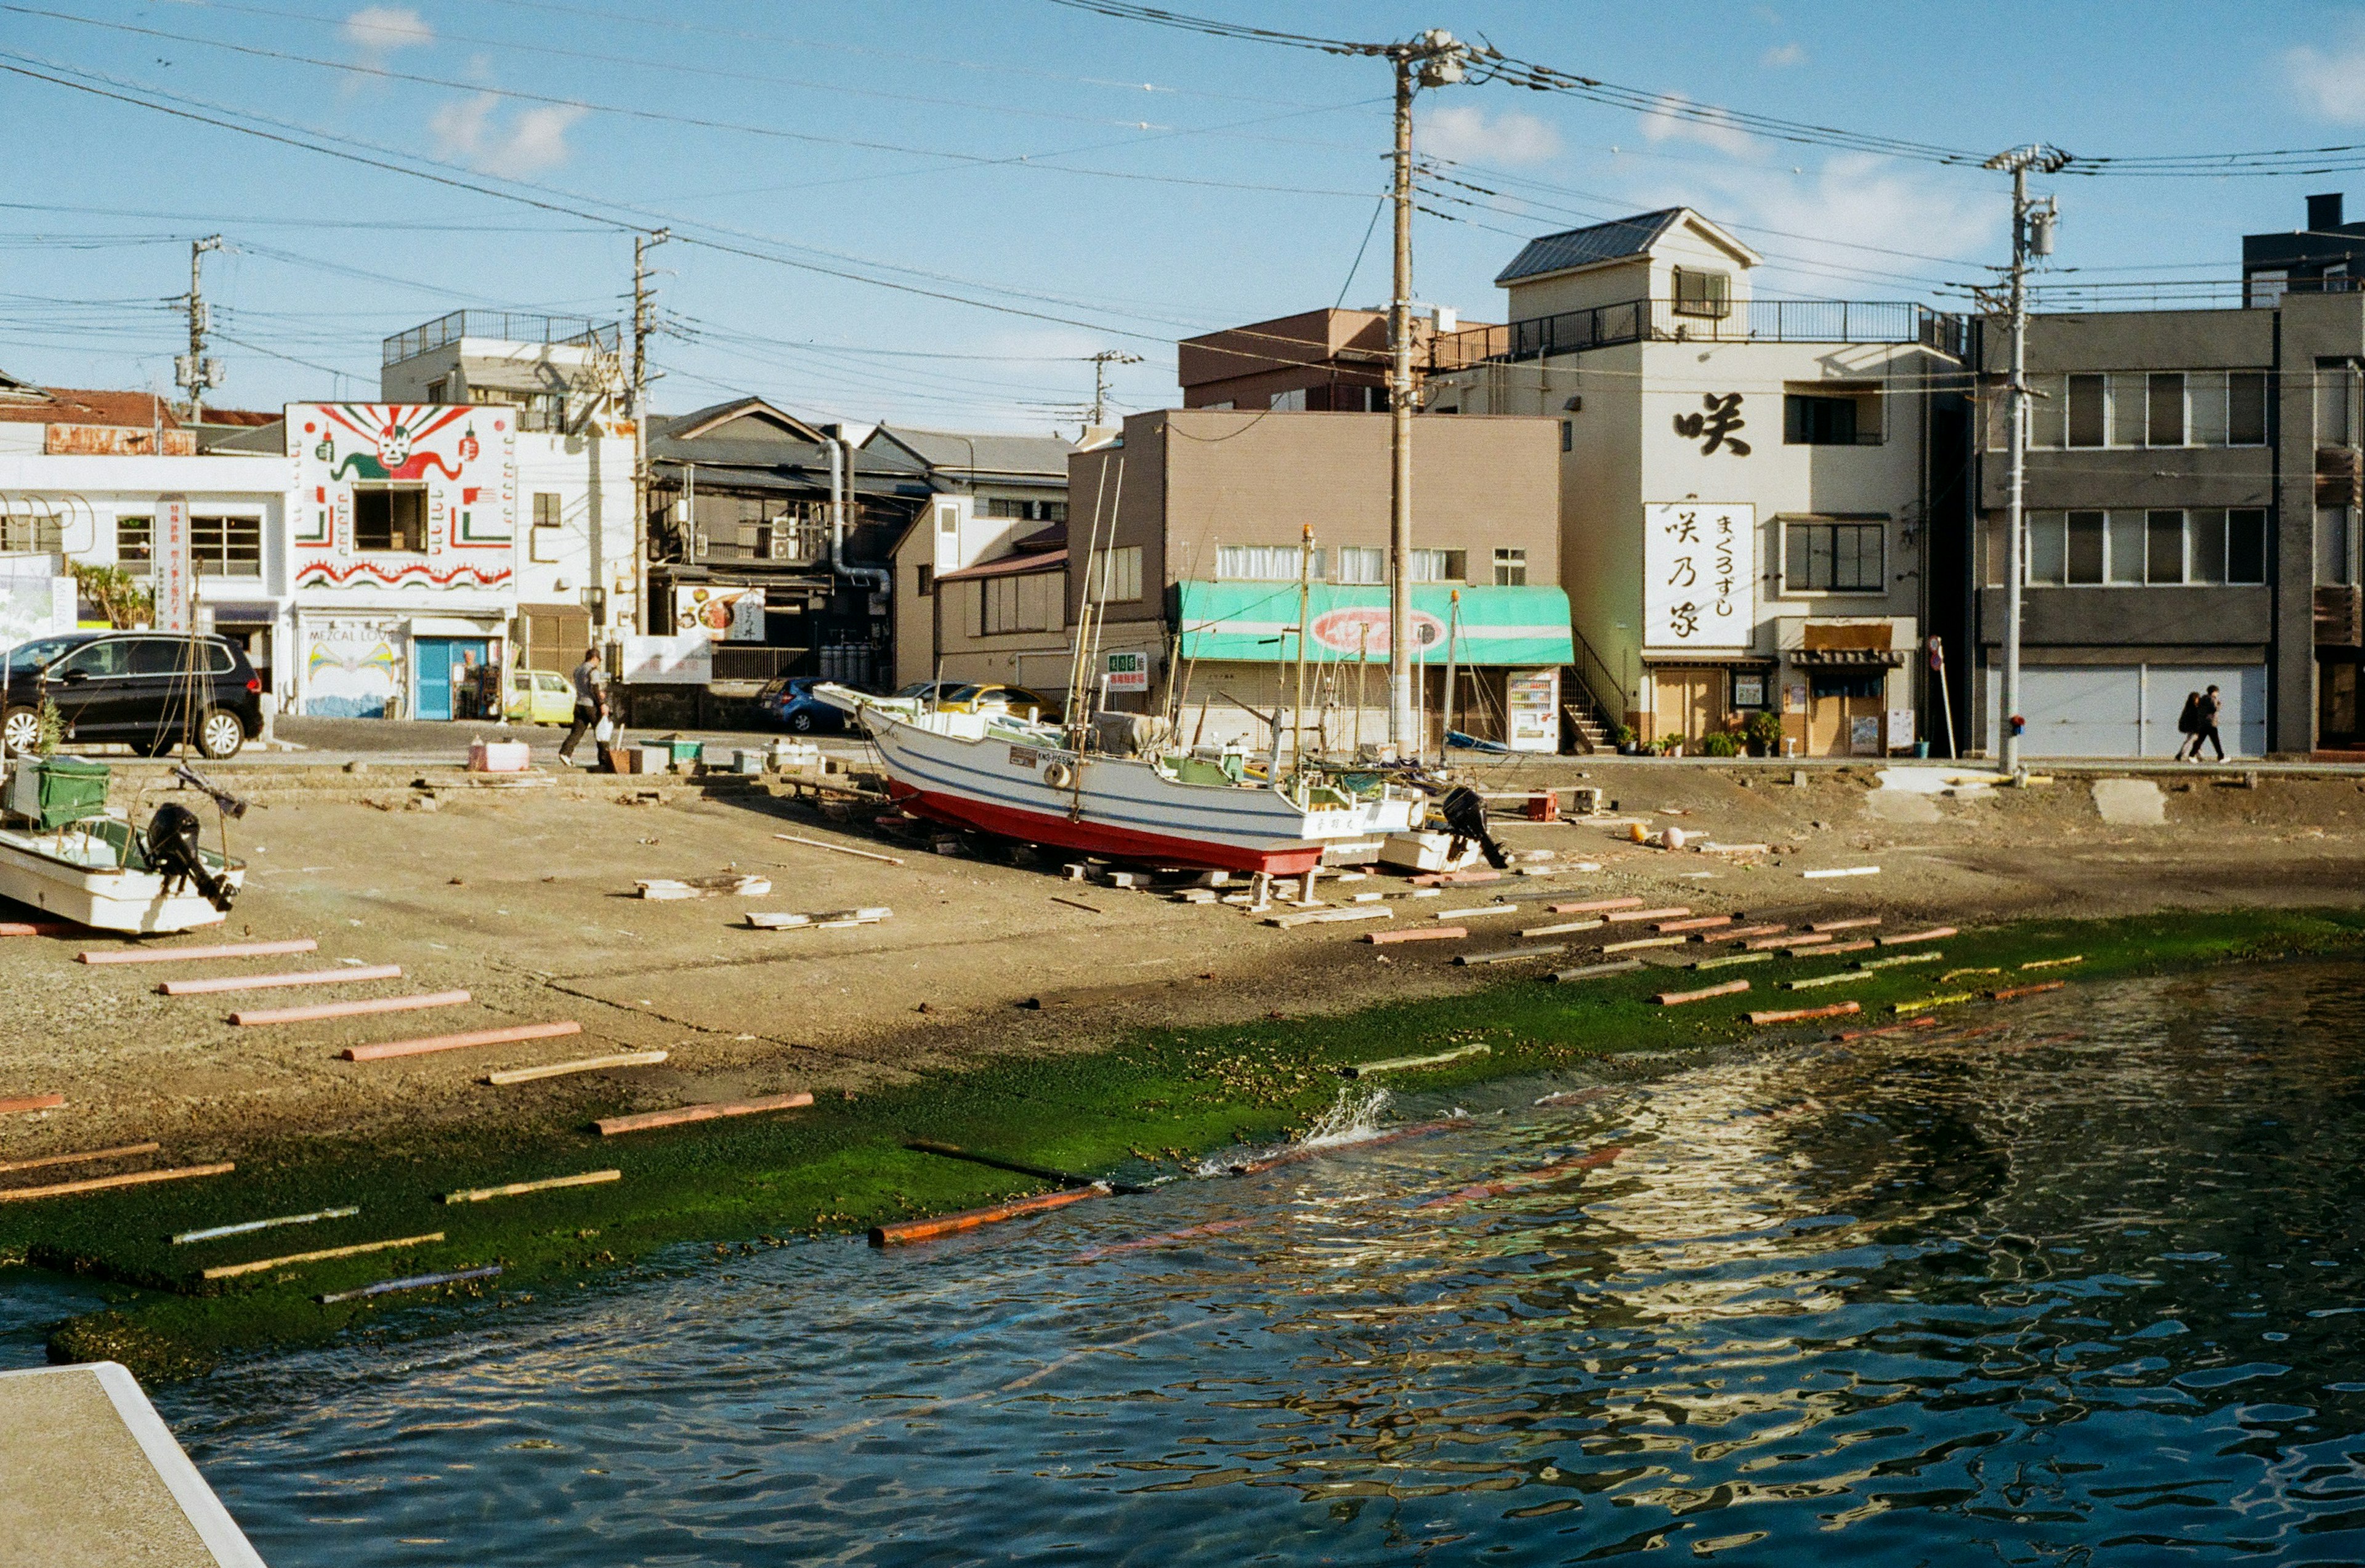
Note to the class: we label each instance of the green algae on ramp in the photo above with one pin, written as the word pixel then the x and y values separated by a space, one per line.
pixel 1156 1095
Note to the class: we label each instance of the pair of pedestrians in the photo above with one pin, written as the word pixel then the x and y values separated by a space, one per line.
pixel 2198 724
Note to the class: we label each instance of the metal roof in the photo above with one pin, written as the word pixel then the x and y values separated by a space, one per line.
pixel 954 454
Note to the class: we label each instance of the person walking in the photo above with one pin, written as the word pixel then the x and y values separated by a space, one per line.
pixel 590 704
pixel 2204 723
pixel 2188 724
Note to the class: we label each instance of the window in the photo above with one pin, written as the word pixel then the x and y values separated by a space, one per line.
pixel 226 546
pixel 155 656
pixel 2245 408
pixel 2205 556
pixel 2089 410
pixel 95 661
pixel 1263 563
pixel 1290 402
pixel 391 518
pixel 1703 293
pixel 2164 409
pixel 923 581
pixel 1440 565
pixel 1116 575
pixel 544 411
pixel 2125 550
pixel 1226 403
pixel 134 541
pixel 2163 547
pixel 1510 568
pixel 2083 560
pixel 2331 545
pixel 1834 557
pixel 2334 425
pixel 1818 421
pixel 2246 545
pixel 1020 603
pixel 543 541
pixel 1363 564
pixel 2263 289
pixel 439 389
pixel 1028 511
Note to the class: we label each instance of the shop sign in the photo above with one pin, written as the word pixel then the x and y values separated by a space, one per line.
pixel 1748 689
pixel 724 614
pixel 1126 672
pixel 173 575
pixel 1362 630
pixel 1700 572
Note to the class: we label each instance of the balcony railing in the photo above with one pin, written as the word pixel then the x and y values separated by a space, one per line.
pixel 507 326
pixel 789 539
pixel 1658 321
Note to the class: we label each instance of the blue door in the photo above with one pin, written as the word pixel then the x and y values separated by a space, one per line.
pixel 435 657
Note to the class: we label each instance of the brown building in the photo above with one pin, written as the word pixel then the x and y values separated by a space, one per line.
pixel 1193 532
pixel 71 421
pixel 1318 361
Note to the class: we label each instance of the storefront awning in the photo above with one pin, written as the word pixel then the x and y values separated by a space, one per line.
pixel 1847 658
pixel 1258 622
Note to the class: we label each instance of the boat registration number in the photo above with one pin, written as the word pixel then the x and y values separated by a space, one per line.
pixel 1025 756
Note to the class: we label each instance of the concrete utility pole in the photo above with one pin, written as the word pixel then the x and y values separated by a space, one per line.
pixel 2032 234
pixel 644 324
pixel 193 372
pixel 1101 362
pixel 1433 59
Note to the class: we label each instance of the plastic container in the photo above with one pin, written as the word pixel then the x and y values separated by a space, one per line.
pixel 72 790
pixel 653 758
pixel 683 751
pixel 499 756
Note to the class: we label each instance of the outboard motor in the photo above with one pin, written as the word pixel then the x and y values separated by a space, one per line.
pixel 172 849
pixel 1465 817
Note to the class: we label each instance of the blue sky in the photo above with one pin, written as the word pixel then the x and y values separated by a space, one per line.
pixel 1108 185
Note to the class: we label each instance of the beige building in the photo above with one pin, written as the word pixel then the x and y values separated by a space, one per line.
pixel 1204 531
pixel 1744 484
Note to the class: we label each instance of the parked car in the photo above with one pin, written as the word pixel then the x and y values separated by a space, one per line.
pixel 143 689
pixel 539 697
pixel 788 702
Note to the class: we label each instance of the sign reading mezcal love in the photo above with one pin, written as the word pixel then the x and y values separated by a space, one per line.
pixel 1700 568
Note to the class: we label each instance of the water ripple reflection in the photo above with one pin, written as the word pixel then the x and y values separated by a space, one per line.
pixel 2084 1287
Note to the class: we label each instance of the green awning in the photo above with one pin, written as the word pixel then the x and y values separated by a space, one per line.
pixel 1258 622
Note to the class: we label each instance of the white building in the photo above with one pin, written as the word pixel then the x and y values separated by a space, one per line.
pixel 1745 497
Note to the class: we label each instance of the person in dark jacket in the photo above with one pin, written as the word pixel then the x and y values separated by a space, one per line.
pixel 2205 723
pixel 2188 723
pixel 590 704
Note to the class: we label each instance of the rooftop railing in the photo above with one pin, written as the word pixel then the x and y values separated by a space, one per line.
pixel 506 325
pixel 1751 321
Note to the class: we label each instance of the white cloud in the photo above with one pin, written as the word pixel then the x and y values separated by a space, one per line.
pixel 1465 133
pixel 1785 54
pixel 477 132
pixel 2329 82
pixel 1827 218
pixel 381 30
pixel 1673 117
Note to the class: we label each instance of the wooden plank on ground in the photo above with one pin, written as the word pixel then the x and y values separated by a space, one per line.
pixel 1678 998
pixel 519 1188
pixel 184 955
pixel 208 984
pixel 354 1008
pixel 263 1265
pixel 1417 934
pixel 31 1103
pixel 120 1151
pixel 582 1064
pixel 610 1125
pixel 99 1183
pixel 508 1035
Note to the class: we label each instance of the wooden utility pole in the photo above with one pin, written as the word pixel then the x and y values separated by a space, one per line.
pixel 643 325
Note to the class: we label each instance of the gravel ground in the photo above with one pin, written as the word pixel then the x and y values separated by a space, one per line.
pixel 526 899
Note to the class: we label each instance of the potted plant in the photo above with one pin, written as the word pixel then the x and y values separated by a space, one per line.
pixel 1763 732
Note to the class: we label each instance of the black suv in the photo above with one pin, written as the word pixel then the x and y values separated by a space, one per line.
pixel 141 687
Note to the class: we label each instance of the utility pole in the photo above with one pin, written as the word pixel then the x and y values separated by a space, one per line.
pixel 2032 235
pixel 1433 59
pixel 193 372
pixel 1101 362
pixel 644 324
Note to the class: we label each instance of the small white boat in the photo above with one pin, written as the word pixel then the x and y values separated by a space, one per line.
pixel 1011 776
pixel 93 872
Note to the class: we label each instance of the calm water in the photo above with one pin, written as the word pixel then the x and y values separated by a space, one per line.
pixel 2085 1289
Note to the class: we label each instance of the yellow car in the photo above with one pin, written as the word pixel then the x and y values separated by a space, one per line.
pixel 539 697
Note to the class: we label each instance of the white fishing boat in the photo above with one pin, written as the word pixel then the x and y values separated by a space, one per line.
pixel 95 872
pixel 1004 774
pixel 64 853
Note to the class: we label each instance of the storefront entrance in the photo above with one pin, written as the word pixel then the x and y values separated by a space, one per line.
pixel 449 681
pixel 1844 712
pixel 1687 703
pixel 2337 719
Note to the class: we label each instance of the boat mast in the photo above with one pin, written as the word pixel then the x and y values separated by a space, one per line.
pixel 1304 604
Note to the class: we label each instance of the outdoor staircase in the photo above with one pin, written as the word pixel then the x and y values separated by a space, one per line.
pixel 1592 736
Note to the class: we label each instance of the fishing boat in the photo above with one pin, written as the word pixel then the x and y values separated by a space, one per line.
pixel 1004 773
pixel 81 861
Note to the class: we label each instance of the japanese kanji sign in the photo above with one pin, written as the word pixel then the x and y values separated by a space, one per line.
pixel 1700 576
pixel 1714 425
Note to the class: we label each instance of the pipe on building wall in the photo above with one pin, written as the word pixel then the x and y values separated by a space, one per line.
pixel 841 468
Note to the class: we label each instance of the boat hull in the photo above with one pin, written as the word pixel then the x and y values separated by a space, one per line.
pixel 132 901
pixel 1119 807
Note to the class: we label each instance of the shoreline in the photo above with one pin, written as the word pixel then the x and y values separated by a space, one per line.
pixel 1151 1102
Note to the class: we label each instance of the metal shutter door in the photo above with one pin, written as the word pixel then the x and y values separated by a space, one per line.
pixel 2075 710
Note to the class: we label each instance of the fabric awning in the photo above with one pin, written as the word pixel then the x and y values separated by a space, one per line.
pixel 1716 661
pixel 1258 622
pixel 1847 658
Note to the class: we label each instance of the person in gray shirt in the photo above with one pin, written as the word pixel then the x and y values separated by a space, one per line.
pixel 590 704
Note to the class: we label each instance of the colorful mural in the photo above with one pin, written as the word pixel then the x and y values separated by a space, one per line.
pixel 353 667
pixel 462 460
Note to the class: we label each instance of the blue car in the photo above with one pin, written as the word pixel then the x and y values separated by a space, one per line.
pixel 790 703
